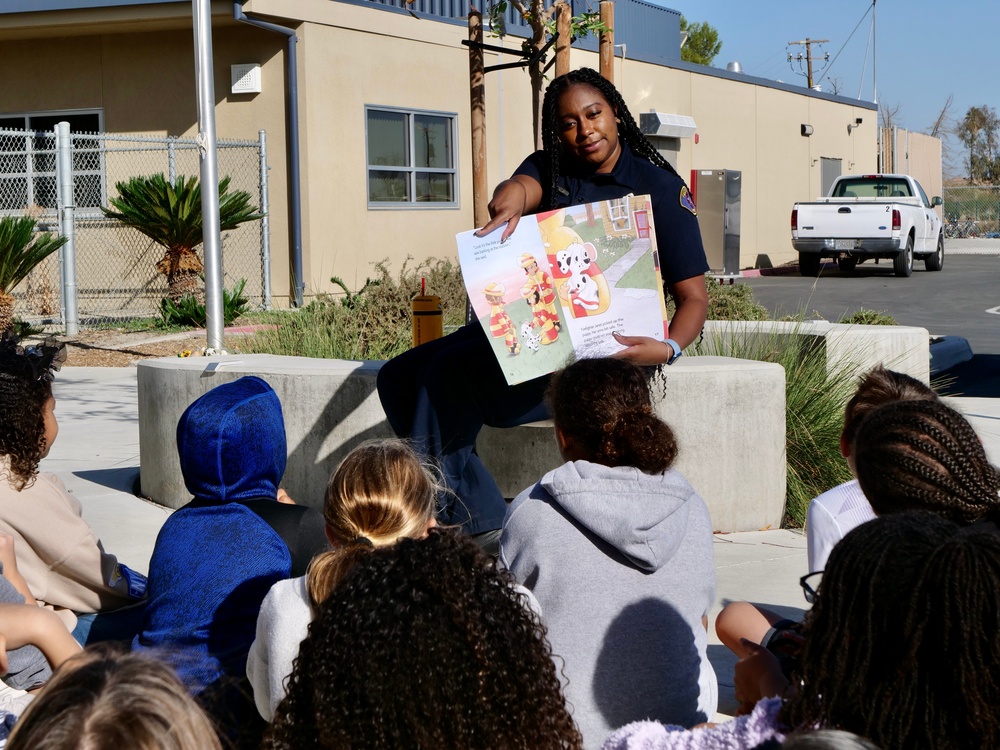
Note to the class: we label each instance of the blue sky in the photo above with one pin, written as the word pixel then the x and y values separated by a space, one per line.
pixel 925 49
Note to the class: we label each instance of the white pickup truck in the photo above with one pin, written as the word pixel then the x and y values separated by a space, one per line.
pixel 869 216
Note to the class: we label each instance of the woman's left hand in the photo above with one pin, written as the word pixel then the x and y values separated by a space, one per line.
pixel 642 350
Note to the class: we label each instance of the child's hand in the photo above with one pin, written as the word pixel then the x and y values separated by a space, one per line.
pixel 4 664
pixel 284 498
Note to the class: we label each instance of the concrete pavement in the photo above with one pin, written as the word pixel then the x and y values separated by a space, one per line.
pixel 97 456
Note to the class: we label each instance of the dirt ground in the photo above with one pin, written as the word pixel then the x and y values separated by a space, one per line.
pixel 112 348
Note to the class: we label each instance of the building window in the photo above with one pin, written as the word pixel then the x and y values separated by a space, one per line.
pixel 28 160
pixel 411 158
pixel 621 219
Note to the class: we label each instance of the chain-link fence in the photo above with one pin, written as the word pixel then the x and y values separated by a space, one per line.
pixel 972 212
pixel 115 266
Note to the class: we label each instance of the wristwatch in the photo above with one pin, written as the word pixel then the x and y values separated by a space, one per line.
pixel 674 351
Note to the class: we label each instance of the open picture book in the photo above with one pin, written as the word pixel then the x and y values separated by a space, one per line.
pixel 563 282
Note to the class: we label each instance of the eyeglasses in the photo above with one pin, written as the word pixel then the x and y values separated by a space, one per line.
pixel 810 585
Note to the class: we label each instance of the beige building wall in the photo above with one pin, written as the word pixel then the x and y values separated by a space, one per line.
pixel 915 154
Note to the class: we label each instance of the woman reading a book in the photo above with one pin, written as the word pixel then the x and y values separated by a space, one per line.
pixel 441 393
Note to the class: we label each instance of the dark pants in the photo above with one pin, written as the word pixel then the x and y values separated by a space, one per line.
pixel 440 395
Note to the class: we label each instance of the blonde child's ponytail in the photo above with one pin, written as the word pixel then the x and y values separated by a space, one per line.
pixel 380 493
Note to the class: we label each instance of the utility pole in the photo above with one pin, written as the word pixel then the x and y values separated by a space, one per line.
pixel 808 43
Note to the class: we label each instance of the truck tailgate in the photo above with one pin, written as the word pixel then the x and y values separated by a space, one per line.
pixel 850 220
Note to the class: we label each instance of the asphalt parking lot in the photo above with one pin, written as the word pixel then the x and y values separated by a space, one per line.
pixel 961 300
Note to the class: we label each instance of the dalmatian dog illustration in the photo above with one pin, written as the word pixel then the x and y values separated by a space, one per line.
pixel 583 291
pixel 575 259
pixel 531 339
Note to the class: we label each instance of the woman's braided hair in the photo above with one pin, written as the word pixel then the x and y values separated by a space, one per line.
pixel 901 646
pixel 424 644
pixel 604 406
pixel 628 129
pixel 924 455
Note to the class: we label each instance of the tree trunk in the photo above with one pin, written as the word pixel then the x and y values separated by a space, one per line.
pixel 6 312
pixel 183 268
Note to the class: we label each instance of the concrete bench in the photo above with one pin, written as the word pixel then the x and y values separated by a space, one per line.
pixel 728 416
pixel 858 348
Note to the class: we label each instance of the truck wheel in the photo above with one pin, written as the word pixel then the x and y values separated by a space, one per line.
pixel 809 264
pixel 902 264
pixel 936 262
pixel 847 265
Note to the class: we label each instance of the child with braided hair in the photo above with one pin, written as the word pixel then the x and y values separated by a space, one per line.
pixel 925 455
pixel 617 548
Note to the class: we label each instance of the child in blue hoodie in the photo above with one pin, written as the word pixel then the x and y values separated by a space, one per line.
pixel 217 557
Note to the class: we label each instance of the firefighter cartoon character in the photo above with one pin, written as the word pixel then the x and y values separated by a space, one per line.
pixel 500 322
pixel 542 316
pixel 540 283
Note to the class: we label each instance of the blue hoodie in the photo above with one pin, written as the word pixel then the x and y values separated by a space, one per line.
pixel 217 557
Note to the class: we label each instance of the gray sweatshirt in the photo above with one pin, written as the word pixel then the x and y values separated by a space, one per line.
pixel 621 564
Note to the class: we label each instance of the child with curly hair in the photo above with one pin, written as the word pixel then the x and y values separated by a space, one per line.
pixel 380 493
pixel 424 645
pixel 58 554
pixel 617 547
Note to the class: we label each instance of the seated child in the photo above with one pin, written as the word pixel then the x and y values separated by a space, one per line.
pixel 105 699
pixel 379 494
pixel 830 516
pixel 424 645
pixel 58 554
pixel 617 547
pixel 900 648
pixel 33 640
pixel 217 557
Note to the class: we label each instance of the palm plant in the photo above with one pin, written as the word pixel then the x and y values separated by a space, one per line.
pixel 21 250
pixel 169 213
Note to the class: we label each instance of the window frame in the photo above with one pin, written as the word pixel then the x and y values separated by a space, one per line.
pixel 411 170
pixel 32 152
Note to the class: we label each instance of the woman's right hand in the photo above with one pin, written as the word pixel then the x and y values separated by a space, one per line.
pixel 511 200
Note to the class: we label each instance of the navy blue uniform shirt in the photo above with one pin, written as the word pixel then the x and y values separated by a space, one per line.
pixel 678 238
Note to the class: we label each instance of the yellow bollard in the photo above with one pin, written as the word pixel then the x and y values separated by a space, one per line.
pixel 428 317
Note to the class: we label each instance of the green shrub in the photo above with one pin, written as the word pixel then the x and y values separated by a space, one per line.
pixel 814 410
pixel 23 329
pixel 188 311
pixel 728 302
pixel 863 317
pixel 373 323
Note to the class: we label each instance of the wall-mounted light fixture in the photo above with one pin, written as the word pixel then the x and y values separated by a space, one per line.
pixel 807 130
pixel 857 123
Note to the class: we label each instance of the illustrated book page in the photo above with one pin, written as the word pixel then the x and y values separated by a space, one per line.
pixel 563 282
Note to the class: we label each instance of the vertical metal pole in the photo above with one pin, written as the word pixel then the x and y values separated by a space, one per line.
pixel 67 207
pixel 202 16
pixel 265 225
pixel 172 159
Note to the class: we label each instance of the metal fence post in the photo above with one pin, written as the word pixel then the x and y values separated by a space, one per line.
pixel 172 159
pixel 265 226
pixel 67 206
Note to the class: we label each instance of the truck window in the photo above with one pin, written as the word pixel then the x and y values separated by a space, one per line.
pixel 872 187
